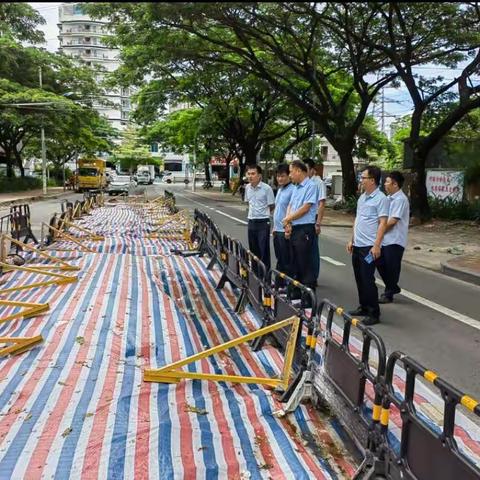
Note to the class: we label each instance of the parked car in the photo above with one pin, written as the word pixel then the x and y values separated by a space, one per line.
pixel 143 177
pixel 121 184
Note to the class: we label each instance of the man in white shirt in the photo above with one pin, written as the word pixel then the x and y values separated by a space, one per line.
pixel 322 196
pixel 395 238
pixel 261 202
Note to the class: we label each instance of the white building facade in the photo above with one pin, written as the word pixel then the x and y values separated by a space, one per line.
pixel 81 38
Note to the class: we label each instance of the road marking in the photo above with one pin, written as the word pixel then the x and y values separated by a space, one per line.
pixel 439 308
pixel 412 296
pixel 215 210
pixel 332 261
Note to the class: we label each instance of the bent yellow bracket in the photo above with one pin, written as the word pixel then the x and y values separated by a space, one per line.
pixel 31 309
pixel 172 374
pixel 57 263
pixel 65 236
pixel 88 233
pixel 20 344
pixel 59 279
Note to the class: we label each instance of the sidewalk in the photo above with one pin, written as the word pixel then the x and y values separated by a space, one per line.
pixel 7 199
pixel 450 247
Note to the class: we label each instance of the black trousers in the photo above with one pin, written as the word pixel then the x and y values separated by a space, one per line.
pixel 259 240
pixel 365 278
pixel 283 252
pixel 389 266
pixel 303 241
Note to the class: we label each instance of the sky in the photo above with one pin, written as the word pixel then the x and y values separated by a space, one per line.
pixel 397 101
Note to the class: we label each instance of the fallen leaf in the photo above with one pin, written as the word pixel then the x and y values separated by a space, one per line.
pixel 192 409
pixel 67 432
pixel 80 340
pixel 28 417
pixel 88 414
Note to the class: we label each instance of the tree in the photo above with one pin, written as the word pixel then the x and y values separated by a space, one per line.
pixel 19 21
pixel 132 151
pixel 25 107
pixel 287 45
pixel 443 34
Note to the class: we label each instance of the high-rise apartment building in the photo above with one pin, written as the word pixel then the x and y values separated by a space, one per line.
pixel 81 38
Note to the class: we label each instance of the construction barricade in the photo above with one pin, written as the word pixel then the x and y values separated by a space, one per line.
pixel 427 450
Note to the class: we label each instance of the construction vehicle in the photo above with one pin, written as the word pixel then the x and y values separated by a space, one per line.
pixel 91 174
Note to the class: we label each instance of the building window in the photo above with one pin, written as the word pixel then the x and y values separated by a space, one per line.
pixel 86 40
pixel 87 27
pixel 154 147
pixel 126 103
pixel 88 52
pixel 77 9
pixel 324 151
pixel 125 115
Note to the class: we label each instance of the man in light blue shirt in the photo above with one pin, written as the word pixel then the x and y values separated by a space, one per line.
pixel 281 244
pixel 299 224
pixel 322 197
pixel 395 239
pixel 261 202
pixel 365 246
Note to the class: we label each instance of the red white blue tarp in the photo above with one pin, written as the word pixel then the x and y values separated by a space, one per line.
pixel 76 406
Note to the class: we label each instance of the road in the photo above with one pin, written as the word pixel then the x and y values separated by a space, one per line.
pixel 436 320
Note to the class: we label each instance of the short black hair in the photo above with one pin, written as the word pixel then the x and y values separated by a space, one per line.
pixel 282 168
pixel 309 162
pixel 300 165
pixel 397 177
pixel 374 172
pixel 256 167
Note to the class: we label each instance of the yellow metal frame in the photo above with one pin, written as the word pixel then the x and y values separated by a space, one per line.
pixel 171 373
pixel 20 344
pixel 31 309
pixel 59 279
pixel 68 237
pixel 88 233
pixel 62 265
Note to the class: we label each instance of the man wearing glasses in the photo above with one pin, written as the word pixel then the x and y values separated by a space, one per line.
pixel 366 243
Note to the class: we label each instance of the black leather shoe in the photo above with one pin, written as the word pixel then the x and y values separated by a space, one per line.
pixel 369 320
pixel 384 299
pixel 359 311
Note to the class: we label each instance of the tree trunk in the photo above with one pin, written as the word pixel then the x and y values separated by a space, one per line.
pixel 350 186
pixel 8 161
pixel 418 191
pixel 19 162
pixel 206 165
pixel 250 153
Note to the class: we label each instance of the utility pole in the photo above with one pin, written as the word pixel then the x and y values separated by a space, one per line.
pixel 42 136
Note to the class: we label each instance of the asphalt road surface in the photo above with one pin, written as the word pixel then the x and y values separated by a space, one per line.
pixel 436 319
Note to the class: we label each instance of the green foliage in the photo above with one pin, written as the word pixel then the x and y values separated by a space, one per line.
pixel 348 205
pixel 448 209
pixel 19 184
pixel 20 21
pixel 133 151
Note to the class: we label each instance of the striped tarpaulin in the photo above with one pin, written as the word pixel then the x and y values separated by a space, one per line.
pixel 76 406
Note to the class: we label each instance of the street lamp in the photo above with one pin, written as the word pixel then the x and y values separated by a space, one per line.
pixel 42 137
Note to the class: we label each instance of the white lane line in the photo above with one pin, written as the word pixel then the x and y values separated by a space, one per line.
pixel 332 261
pixel 215 210
pixel 412 296
pixel 439 308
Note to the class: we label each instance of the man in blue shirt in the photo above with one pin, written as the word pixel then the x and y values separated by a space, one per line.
pixel 261 202
pixel 395 239
pixel 299 224
pixel 365 246
pixel 280 243
pixel 322 197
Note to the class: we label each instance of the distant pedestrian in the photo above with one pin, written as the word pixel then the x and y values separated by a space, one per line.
pixel 322 197
pixel 299 224
pixel 261 202
pixel 366 243
pixel 395 239
pixel 281 244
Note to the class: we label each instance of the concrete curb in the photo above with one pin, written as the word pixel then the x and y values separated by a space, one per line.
pixel 17 201
pixel 465 274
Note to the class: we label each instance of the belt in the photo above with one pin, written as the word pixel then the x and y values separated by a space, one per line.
pixel 303 225
pixel 258 220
